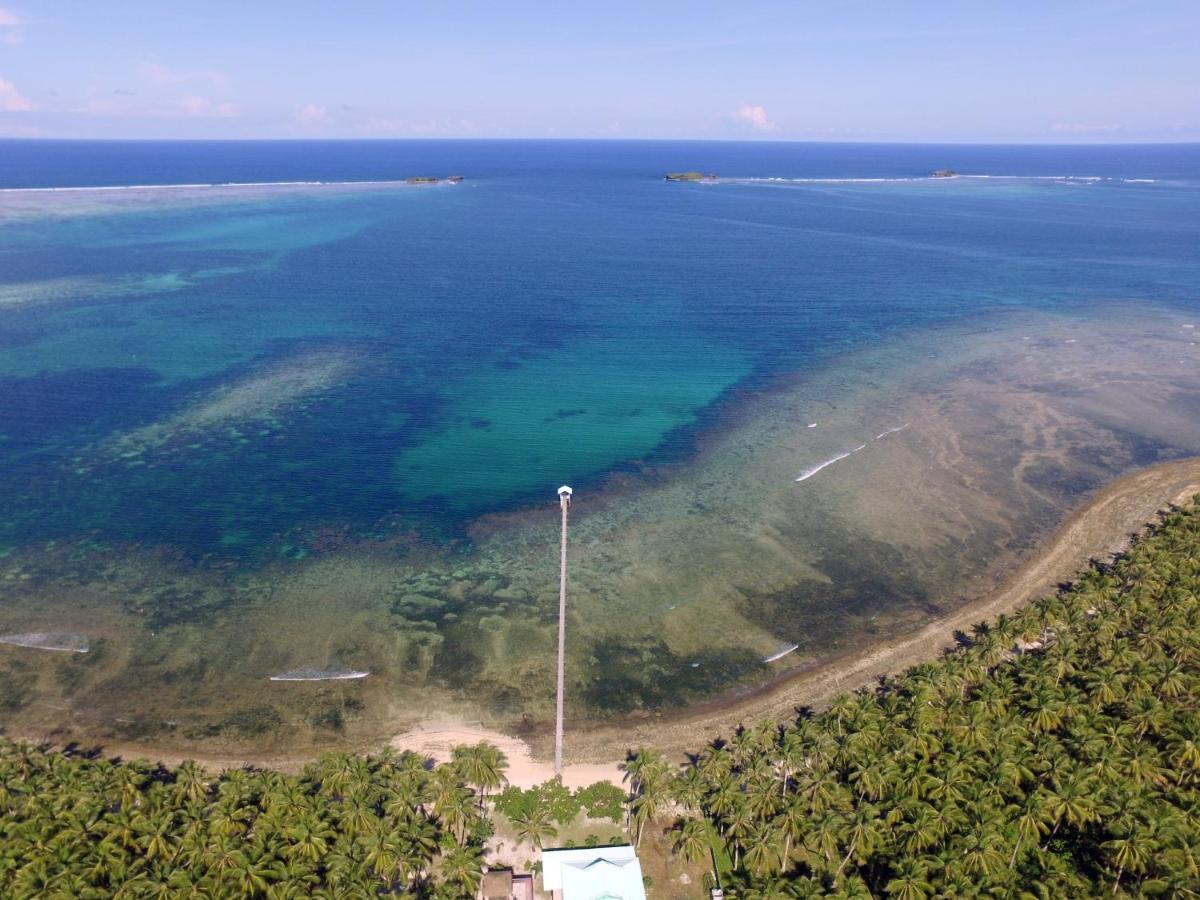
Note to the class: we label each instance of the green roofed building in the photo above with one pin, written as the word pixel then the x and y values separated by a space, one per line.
pixel 593 873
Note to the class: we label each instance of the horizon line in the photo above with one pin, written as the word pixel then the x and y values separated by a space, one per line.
pixel 596 139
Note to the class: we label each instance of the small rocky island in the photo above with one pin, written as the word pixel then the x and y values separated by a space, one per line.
pixel 432 179
pixel 690 176
pixel 943 173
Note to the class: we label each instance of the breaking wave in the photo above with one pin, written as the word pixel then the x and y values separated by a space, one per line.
pixel 1081 179
pixel 195 186
pixel 813 470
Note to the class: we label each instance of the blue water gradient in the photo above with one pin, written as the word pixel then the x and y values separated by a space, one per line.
pixel 414 357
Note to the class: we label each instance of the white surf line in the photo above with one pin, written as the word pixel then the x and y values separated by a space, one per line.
pixel 821 180
pixel 813 470
pixel 810 472
pixel 790 648
pixel 884 434
pixel 1090 179
pixel 215 184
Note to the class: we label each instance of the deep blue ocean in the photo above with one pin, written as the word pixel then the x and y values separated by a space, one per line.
pixel 233 375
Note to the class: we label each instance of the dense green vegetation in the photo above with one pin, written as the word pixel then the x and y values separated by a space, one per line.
pixel 535 814
pixel 689 176
pixel 1054 753
pixel 79 826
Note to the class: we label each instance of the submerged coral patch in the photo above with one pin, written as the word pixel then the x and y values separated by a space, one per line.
pixel 259 397
pixel 85 288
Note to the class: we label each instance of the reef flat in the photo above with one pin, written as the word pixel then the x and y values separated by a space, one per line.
pixel 979 439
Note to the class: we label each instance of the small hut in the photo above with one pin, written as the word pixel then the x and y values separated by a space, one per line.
pixel 503 884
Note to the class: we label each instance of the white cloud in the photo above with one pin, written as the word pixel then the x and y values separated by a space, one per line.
pixel 375 125
pixel 160 74
pixel 11 100
pixel 203 108
pixel 10 27
pixel 96 107
pixel 381 125
pixel 437 127
pixel 128 105
pixel 312 114
pixel 1077 128
pixel 753 116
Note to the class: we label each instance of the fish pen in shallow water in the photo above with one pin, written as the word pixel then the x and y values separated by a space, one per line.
pixel 62 641
pixel 780 652
pixel 312 673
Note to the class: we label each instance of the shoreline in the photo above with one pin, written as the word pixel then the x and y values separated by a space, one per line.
pixel 1101 527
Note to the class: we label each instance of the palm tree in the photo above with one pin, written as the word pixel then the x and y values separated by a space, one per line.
pixel 462 867
pixel 250 874
pixel 762 850
pixel 381 852
pixel 911 880
pixel 688 788
pixel 1131 853
pixel 792 822
pixel 534 825
pixel 457 812
pixel 309 839
pixel 644 767
pixel 191 783
pixel 482 765
pixel 863 835
pixel 694 840
pixel 157 836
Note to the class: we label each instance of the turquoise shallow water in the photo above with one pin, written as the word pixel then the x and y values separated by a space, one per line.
pixel 235 377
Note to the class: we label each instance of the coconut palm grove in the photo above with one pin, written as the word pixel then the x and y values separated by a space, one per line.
pixel 1053 753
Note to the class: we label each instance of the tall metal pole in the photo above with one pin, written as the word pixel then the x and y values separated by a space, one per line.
pixel 564 499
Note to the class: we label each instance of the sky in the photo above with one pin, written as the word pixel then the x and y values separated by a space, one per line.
pixel 1102 71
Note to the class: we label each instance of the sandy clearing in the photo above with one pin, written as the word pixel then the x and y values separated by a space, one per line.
pixel 437 739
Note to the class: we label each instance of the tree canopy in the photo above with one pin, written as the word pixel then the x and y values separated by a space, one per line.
pixel 79 825
pixel 1055 753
